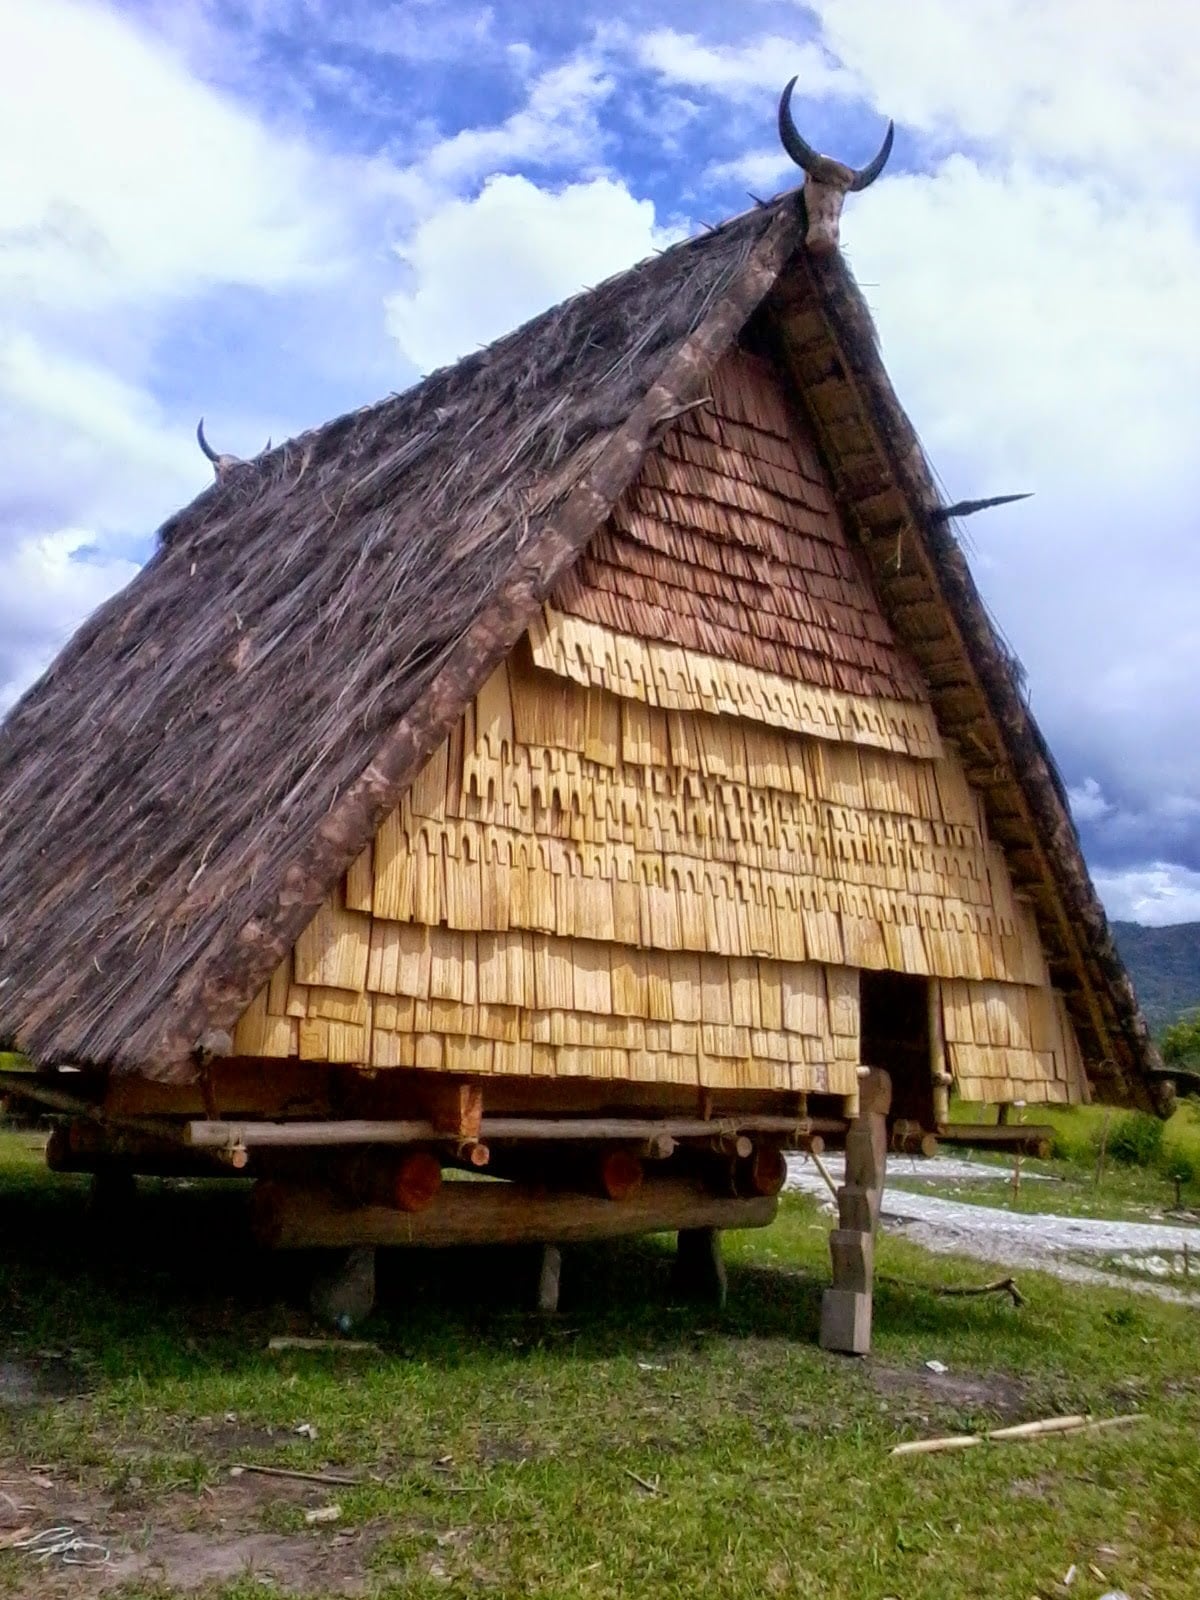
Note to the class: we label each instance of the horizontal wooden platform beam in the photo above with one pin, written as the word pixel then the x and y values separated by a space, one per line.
pixel 293 1217
pixel 212 1135
pixel 1016 1138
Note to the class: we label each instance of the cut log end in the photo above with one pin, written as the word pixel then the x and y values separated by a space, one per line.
pixel 621 1174
pixel 765 1173
pixel 416 1182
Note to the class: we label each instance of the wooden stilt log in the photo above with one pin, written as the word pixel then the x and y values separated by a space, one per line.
pixel 344 1295
pixel 910 1139
pixel 1014 1138
pixel 548 1279
pixel 846 1307
pixel 700 1266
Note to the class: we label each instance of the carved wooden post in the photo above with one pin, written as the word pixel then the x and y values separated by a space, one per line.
pixel 846 1307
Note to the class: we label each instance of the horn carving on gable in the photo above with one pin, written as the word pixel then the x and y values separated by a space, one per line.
pixel 826 181
pixel 222 465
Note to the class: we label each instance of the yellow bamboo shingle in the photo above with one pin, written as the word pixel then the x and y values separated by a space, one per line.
pixel 663 865
pixel 333 949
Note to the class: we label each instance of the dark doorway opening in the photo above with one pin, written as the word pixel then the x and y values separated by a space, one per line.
pixel 895 1036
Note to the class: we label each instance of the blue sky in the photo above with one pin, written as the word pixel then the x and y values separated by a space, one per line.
pixel 272 211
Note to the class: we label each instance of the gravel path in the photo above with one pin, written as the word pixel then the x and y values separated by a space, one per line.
pixel 1078 1248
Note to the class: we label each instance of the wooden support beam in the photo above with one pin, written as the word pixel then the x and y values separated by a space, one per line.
pixel 456 1109
pixel 343 1295
pixel 911 1139
pixel 347 1131
pixel 846 1307
pixel 1014 1137
pixel 294 1216
pixel 853 1259
pixel 765 1172
pixel 846 1321
pixel 620 1174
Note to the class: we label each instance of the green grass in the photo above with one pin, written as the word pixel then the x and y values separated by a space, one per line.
pixel 498 1447
pixel 1124 1192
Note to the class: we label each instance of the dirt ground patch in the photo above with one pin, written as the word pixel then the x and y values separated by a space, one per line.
pixel 183 1540
pixel 921 1395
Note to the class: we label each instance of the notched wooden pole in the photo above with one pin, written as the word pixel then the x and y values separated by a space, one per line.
pixel 846 1307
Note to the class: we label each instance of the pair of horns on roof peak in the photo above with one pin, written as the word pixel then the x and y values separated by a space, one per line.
pixel 824 168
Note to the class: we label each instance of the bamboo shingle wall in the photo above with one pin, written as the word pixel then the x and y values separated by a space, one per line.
pixel 1005 1042
pixel 666 833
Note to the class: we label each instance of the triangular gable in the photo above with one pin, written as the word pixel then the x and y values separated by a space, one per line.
pixel 672 825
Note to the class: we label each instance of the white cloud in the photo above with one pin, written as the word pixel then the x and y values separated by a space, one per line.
pixel 122 177
pixel 1041 334
pixel 1159 894
pixel 744 70
pixel 762 171
pixel 128 191
pixel 1026 320
pixel 481 267
pixel 1088 82
pixel 1087 802
pixel 557 127
pixel 47 585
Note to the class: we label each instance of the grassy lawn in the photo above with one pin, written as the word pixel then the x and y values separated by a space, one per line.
pixel 1077 1187
pixel 1124 1194
pixel 495 1451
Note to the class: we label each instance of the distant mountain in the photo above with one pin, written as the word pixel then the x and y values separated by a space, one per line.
pixel 1164 964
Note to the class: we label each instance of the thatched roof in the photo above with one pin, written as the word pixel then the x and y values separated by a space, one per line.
pixel 182 788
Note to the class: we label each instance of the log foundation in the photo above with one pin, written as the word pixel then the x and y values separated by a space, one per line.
pixel 295 1216
pixel 549 1278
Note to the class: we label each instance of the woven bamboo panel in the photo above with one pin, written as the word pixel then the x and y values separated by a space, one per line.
pixel 697 832
pixel 581 884
pixel 521 1002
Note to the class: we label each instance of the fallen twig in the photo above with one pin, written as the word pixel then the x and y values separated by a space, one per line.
pixel 1042 1429
pixel 342 1478
pixel 1001 1286
pixel 286 1341
pixel 642 1483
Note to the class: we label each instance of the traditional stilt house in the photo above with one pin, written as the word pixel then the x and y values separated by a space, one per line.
pixel 586 765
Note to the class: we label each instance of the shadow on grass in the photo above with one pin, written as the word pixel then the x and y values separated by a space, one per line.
pixel 175 1277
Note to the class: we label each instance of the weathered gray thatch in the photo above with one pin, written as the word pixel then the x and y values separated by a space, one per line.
pixel 212 749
